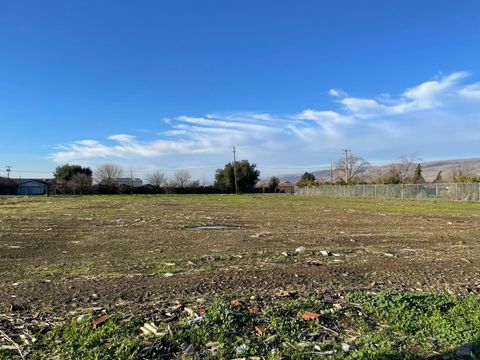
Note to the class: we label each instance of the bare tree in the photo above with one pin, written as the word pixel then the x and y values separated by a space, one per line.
pixel 403 168
pixel 108 174
pixel 80 183
pixel 157 179
pixel 181 178
pixel 355 166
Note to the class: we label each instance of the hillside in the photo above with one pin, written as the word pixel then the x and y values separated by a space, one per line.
pixel 430 169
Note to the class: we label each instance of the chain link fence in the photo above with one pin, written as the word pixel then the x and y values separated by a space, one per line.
pixel 447 191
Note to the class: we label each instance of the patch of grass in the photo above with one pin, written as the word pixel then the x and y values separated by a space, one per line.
pixel 375 326
pixel 116 339
pixel 418 324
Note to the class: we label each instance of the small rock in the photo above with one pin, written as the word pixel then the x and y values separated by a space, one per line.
pixel 300 249
pixel 345 347
pixel 325 253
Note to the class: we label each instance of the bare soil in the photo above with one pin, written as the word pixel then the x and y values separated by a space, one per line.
pixel 64 254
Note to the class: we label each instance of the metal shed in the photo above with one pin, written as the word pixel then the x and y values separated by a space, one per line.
pixel 32 187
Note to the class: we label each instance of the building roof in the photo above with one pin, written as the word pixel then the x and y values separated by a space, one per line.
pixel 286 183
pixel 23 181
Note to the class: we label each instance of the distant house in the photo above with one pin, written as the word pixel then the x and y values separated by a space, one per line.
pixel 32 186
pixel 286 187
pixel 130 182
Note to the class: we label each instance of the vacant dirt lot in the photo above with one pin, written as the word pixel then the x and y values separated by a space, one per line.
pixel 64 254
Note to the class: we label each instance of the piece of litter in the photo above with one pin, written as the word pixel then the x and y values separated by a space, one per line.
pixel 241 348
pixel 197 319
pixel 82 317
pixel 308 315
pixel 212 345
pixel 300 249
pixel 99 321
pixel 236 303
pixel 260 330
pixel 150 329
pixel 190 311
pixel 188 349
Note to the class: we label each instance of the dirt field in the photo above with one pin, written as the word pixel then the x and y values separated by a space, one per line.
pixel 133 253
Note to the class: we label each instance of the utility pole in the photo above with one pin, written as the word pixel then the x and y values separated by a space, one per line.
pixel 9 168
pixel 131 181
pixel 346 166
pixel 235 170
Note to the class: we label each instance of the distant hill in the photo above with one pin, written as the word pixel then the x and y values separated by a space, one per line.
pixel 430 169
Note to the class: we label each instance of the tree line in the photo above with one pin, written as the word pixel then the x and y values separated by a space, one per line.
pixel 110 178
pixel 241 176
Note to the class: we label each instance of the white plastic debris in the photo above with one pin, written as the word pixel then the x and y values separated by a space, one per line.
pixel 300 249
pixel 150 329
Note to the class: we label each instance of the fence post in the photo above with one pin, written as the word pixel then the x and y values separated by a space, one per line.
pixel 375 191
pixel 456 191
pixel 436 190
pixel 402 192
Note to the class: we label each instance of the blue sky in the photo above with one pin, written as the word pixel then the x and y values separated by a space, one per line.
pixel 174 84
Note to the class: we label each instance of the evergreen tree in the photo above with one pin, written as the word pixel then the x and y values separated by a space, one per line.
pixel 247 176
pixel 273 184
pixel 417 175
pixel 307 179
pixel 67 172
pixel 438 179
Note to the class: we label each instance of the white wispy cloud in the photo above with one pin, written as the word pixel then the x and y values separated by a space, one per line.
pixel 471 92
pixel 428 95
pixel 337 93
pixel 433 112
